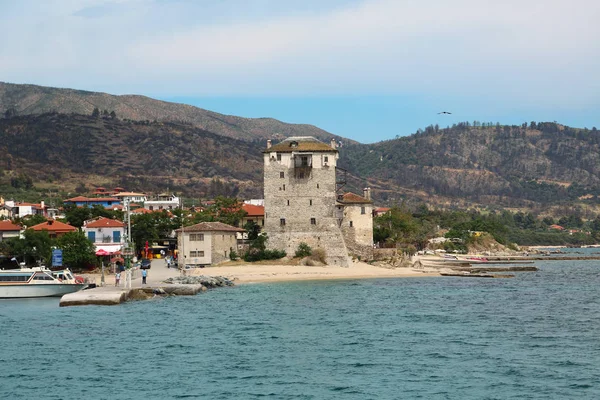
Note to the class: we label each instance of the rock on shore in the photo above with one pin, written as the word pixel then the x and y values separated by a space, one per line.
pixel 206 281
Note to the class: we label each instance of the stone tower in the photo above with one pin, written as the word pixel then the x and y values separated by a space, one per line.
pixel 300 197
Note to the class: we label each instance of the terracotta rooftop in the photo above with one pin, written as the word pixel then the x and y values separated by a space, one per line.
pixel 54 226
pixel 141 211
pixel 301 143
pixel 8 225
pixel 253 211
pixel 351 198
pixel 211 227
pixel 105 223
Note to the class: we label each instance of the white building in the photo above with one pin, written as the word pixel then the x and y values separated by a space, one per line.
pixel 131 197
pixel 163 201
pixel 106 234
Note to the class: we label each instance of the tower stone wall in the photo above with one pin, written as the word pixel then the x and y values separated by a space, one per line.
pixel 300 198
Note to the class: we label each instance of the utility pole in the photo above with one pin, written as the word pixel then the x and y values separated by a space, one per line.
pixel 182 255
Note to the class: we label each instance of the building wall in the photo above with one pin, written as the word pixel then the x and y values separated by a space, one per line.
pixel 297 201
pixel 217 247
pixel 359 236
pixel 222 244
pixel 9 234
pixel 197 245
pixel 101 233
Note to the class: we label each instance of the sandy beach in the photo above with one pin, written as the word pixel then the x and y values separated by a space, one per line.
pixel 256 273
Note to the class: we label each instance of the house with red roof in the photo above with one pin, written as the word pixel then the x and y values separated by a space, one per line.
pixel 355 214
pixel 54 228
pixel 23 209
pixel 105 233
pixel 8 230
pixel 254 213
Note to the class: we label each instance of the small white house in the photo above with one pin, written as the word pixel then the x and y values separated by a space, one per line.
pixel 106 234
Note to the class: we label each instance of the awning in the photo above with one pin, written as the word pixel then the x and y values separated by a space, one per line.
pixel 106 250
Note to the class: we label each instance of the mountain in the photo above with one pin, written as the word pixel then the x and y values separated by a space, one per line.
pixel 531 165
pixel 63 151
pixel 32 99
pixel 542 163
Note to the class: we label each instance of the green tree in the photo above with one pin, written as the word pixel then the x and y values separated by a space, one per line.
pixel 253 230
pixel 78 251
pixel 113 114
pixel 96 112
pixel 33 248
pixel 31 220
pixel 143 229
pixel 76 216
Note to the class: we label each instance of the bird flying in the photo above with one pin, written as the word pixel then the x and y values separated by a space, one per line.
pixel 444 112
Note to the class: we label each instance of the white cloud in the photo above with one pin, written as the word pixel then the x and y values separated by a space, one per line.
pixel 531 49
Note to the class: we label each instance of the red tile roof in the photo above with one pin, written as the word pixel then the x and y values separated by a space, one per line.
pixel 105 223
pixel 253 211
pixel 211 227
pixel 8 225
pixel 54 226
pixel 351 198
pixel 141 211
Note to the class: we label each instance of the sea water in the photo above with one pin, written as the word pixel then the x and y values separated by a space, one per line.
pixel 535 336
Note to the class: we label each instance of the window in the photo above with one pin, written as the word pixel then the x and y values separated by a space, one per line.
pixel 350 224
pixel 282 174
pixel 313 221
pixel 278 157
pixel 196 253
pixel 284 186
pixel 301 175
pixel 362 210
pixel 92 237
pixel 282 221
pixel 288 202
pixel 197 237
pixel 116 236
pixel 304 160
pixel 317 185
pixel 326 159
pixel 310 202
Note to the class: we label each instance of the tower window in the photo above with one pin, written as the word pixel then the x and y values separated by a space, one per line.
pixel 317 185
pixel 288 202
pixel 278 157
pixel 310 202
pixel 282 174
pixel 284 186
pixel 362 210
pixel 282 221
pixel 313 221
pixel 350 224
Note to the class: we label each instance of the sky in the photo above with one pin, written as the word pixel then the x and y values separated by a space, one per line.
pixel 368 70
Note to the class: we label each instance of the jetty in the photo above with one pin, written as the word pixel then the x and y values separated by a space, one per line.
pixel 161 281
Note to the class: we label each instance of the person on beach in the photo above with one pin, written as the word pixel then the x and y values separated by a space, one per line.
pixel 117 278
pixel 144 275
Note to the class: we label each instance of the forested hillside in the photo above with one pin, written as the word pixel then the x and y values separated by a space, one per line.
pixel 488 164
pixel 34 100
pixel 70 150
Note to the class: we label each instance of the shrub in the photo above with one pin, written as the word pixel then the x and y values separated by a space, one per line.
pixel 304 250
pixel 319 255
pixel 233 255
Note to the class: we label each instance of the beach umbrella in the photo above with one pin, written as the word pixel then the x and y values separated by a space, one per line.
pixel 102 252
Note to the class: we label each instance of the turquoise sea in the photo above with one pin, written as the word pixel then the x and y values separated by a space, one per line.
pixel 536 336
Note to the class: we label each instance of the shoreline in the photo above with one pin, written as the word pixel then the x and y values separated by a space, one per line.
pixel 253 273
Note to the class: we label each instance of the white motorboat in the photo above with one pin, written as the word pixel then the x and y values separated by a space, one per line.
pixel 37 282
